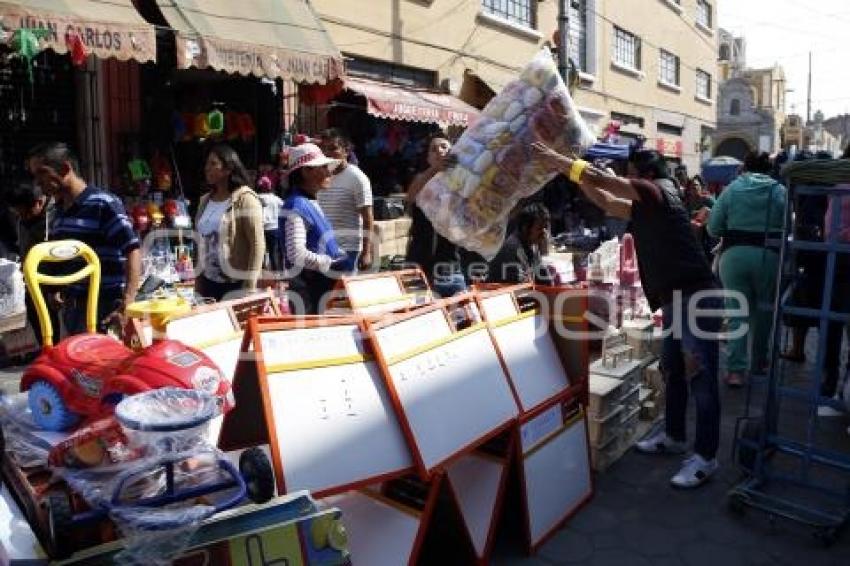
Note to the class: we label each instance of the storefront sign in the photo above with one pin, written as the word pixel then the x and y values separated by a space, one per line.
pixel 104 39
pixel 257 60
pixel 671 148
pixel 395 102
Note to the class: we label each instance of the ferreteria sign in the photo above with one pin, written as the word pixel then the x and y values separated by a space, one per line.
pixel 258 60
pixel 104 39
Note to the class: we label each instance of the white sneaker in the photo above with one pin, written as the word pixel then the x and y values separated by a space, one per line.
pixel 695 471
pixel 660 443
pixel 827 411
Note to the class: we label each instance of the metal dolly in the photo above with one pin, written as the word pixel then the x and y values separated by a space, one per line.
pixel 786 474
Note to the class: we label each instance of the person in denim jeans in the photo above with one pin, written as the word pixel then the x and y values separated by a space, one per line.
pixel 673 269
pixel 690 362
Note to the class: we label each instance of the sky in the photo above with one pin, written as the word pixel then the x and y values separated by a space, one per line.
pixel 783 32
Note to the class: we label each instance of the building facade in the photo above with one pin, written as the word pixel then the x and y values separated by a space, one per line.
pixel 750 103
pixel 648 66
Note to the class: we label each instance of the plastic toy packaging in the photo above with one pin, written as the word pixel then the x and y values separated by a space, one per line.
pixel 149 468
pixel 496 166
pixel 12 290
pixel 25 445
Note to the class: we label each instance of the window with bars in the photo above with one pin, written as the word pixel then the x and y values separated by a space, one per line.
pixel 578 34
pixel 704 13
pixel 626 49
pixel 520 12
pixel 668 68
pixel 703 84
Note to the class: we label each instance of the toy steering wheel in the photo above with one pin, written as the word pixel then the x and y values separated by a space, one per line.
pixel 61 251
pixel 160 309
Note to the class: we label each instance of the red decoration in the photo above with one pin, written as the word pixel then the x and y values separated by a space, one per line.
pixel 76 48
pixel 320 94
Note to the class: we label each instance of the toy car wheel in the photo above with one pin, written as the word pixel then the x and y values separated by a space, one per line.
pixel 60 518
pixel 258 474
pixel 48 408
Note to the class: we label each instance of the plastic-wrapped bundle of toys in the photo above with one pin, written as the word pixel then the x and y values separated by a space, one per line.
pixel 496 165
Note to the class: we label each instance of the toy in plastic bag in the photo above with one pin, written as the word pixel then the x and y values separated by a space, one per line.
pixel 12 295
pixel 496 166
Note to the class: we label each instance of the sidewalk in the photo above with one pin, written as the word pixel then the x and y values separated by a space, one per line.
pixel 636 519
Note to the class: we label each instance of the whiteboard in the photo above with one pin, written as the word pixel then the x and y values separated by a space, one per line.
pixel 378 308
pixel 379 534
pixel 557 479
pixel 541 426
pixel 499 307
pixel 225 355
pixel 453 395
pixel 335 426
pixel 476 481
pixel 533 363
pixel 372 290
pixel 303 345
pixel 201 327
pixel 413 332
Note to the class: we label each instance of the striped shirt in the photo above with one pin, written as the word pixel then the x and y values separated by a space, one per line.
pixel 350 191
pixel 97 218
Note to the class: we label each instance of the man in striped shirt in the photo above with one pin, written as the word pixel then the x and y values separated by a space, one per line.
pixel 96 217
pixel 348 203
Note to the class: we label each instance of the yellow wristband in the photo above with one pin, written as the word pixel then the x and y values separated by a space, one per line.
pixel 576 170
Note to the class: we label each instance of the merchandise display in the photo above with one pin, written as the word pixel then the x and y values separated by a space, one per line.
pixel 496 165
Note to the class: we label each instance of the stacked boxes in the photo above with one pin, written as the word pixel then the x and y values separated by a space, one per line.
pixel 614 402
pixel 392 236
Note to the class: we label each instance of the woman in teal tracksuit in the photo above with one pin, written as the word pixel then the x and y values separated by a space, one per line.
pixel 750 209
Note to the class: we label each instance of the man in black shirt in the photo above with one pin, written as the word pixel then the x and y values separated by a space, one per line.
pixel 676 278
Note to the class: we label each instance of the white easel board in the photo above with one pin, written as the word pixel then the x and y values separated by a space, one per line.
pixel 373 290
pixel 335 426
pixel 450 388
pixel 557 478
pixel 380 533
pixel 533 364
pixel 205 326
pixel 477 481
pixel 499 307
pixel 330 420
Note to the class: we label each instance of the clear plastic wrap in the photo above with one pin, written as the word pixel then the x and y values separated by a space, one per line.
pixel 25 445
pixel 496 166
pixel 12 289
pixel 168 419
pixel 166 431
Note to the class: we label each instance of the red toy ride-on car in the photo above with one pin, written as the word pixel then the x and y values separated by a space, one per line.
pixel 85 376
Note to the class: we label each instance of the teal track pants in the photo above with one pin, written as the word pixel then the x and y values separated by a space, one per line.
pixel 752 272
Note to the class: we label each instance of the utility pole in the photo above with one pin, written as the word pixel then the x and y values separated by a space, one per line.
pixel 809 98
pixel 564 40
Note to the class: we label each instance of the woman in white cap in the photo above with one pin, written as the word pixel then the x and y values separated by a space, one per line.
pixel 311 252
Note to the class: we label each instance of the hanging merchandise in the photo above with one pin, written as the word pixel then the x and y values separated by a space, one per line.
pixel 200 128
pixel 215 122
pixel 246 127
pixel 26 43
pixel 161 172
pixel 231 126
pixel 141 219
pixel 178 123
pixel 76 48
pixel 189 122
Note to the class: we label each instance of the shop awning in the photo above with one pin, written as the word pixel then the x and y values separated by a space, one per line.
pixel 266 38
pixel 106 29
pixel 396 102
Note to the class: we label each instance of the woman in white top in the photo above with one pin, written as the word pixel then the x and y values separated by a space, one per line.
pixel 230 222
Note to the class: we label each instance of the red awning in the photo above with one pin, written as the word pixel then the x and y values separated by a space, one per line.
pixel 396 102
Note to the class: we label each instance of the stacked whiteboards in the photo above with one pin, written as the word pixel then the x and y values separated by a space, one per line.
pixel 376 414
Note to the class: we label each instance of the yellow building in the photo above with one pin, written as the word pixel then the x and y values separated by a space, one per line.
pixel 648 64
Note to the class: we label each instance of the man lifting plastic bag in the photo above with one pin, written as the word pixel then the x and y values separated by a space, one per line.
pixel 469 202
